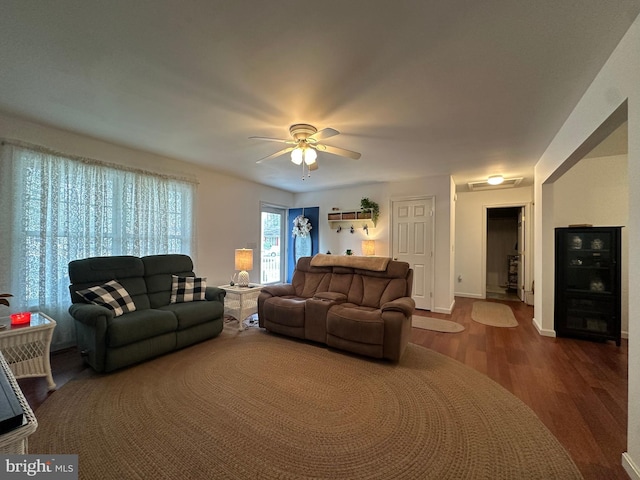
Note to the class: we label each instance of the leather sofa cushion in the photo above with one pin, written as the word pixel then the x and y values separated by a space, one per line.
pixel 287 310
pixel 195 313
pixel 365 290
pixel 308 280
pixel 356 323
pixel 341 282
pixel 140 325
pixel 307 284
pixel 362 287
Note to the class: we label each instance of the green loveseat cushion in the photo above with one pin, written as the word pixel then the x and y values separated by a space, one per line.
pixel 140 325
pixel 194 313
pixel 158 272
pixel 127 270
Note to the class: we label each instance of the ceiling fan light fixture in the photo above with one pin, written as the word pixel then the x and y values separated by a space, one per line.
pixel 296 155
pixel 304 143
pixel 310 156
pixel 495 179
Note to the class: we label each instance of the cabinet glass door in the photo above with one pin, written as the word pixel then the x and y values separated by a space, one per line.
pixel 589 265
pixel 587 290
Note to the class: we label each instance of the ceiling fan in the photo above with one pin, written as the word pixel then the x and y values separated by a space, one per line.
pixel 303 144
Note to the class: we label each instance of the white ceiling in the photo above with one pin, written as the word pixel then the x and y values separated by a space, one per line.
pixel 419 87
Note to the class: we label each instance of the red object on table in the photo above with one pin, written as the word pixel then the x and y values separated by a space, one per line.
pixel 20 318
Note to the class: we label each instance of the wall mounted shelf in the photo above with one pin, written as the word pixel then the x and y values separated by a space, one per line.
pixel 351 217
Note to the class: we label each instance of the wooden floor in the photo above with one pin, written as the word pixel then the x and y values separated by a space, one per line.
pixel 576 387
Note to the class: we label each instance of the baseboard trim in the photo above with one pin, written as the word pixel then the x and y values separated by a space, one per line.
pixel 541 331
pixel 442 310
pixel 470 295
pixel 630 467
pixel 552 333
pixel 446 311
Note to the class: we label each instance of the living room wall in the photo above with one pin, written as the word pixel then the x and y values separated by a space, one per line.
pixel 227 208
pixel 595 191
pixel 616 85
pixel 440 187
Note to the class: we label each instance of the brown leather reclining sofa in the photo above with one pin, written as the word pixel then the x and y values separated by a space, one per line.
pixel 358 304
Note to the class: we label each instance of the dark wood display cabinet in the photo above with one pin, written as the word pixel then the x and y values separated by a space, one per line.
pixel 587 290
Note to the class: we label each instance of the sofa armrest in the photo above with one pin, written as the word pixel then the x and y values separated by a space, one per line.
pixel 214 294
pixel 279 290
pixel 91 332
pixel 90 314
pixel 405 305
pixel 334 297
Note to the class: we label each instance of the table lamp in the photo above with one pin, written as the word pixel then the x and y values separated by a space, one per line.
pixel 368 248
pixel 244 262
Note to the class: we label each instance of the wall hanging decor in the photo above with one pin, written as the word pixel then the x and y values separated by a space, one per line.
pixel 301 226
pixel 302 242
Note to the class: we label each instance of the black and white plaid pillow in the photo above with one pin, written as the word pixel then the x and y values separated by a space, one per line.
pixel 111 295
pixel 187 289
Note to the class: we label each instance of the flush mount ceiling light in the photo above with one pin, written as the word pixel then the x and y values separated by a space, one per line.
pixel 495 179
pixel 486 185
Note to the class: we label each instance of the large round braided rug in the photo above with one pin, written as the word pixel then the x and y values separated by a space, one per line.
pixel 254 405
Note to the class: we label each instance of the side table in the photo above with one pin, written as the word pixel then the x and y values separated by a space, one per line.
pixel 26 348
pixel 15 441
pixel 240 302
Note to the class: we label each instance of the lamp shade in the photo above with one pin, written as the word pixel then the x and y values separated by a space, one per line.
pixel 368 247
pixel 244 259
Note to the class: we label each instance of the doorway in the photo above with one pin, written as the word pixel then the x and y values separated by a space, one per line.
pixel 504 273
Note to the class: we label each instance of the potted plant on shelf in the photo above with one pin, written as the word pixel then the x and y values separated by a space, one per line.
pixel 366 204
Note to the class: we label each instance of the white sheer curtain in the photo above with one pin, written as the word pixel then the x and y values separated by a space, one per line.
pixel 56 208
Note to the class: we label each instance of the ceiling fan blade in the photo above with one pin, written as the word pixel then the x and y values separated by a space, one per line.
pixel 269 139
pixel 277 154
pixel 340 151
pixel 313 166
pixel 324 133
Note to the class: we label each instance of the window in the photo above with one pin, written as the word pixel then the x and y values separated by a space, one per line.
pixel 57 209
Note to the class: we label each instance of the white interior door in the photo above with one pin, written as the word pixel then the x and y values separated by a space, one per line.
pixel 412 242
pixel 522 248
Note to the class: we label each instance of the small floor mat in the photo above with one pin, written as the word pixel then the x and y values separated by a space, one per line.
pixel 436 324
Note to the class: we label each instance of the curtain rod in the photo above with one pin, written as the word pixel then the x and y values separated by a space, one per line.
pixel 93 161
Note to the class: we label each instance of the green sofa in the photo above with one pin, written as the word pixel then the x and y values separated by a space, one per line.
pixel 109 342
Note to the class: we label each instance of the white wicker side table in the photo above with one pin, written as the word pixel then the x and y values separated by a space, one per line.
pixel 240 302
pixel 26 348
pixel 16 441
